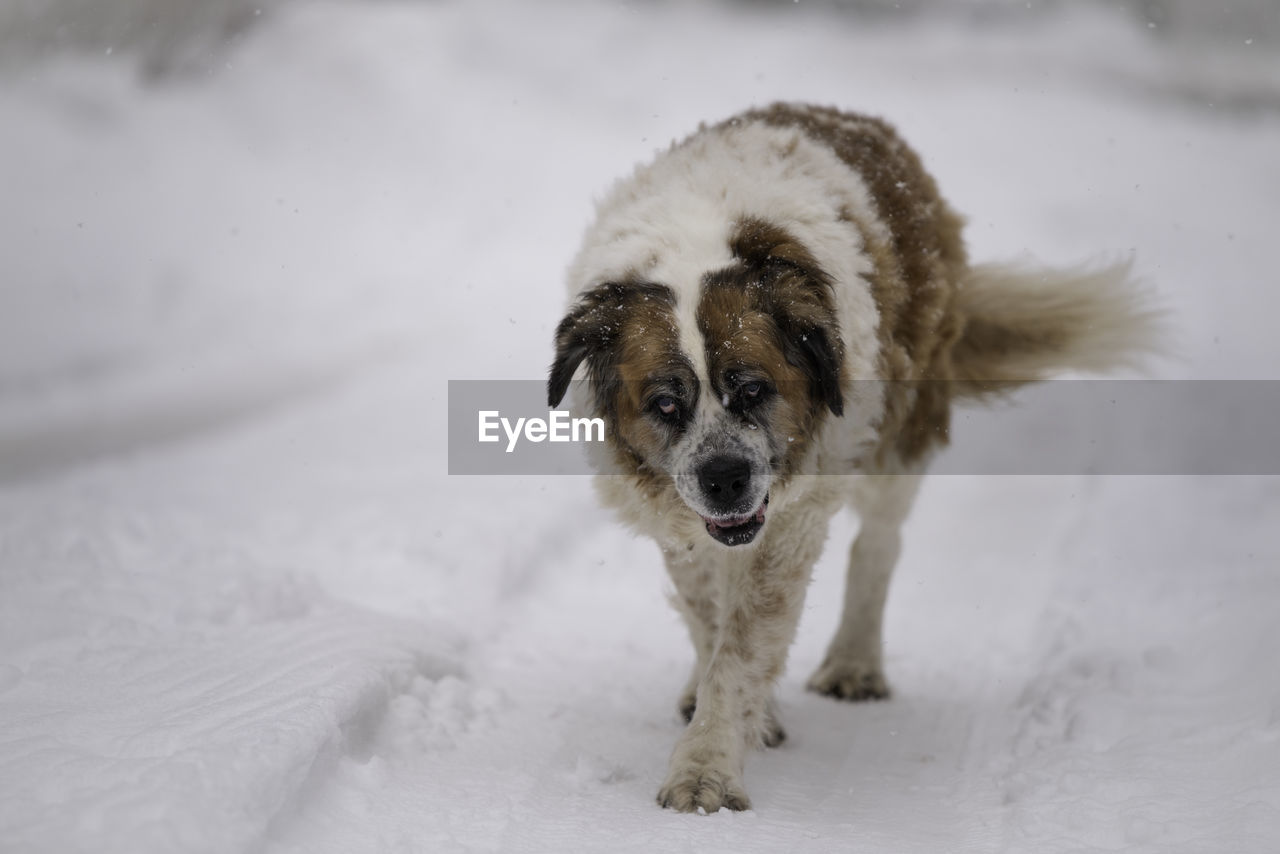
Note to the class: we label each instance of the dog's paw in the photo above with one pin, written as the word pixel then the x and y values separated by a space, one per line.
pixel 700 787
pixel 849 681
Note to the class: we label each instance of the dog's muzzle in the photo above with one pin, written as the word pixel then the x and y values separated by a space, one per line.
pixel 725 484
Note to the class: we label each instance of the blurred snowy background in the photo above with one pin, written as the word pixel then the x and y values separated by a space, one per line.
pixel 243 246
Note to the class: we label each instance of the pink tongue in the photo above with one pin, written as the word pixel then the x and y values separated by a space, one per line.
pixel 736 521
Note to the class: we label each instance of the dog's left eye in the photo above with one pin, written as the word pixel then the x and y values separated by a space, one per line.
pixel 751 390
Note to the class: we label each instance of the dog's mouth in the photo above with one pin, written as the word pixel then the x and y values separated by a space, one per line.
pixel 737 530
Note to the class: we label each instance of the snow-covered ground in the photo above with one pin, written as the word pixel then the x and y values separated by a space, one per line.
pixel 244 608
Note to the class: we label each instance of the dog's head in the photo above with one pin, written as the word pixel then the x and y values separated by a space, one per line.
pixel 723 397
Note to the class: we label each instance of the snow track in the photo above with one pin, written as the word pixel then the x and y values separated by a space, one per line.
pixel 70 429
pixel 194 718
pixel 1146 689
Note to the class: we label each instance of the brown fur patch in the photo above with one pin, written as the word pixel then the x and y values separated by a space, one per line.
pixel 650 363
pixel 771 318
pixel 915 272
pixel 626 333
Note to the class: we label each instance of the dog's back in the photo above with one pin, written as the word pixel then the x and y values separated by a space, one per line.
pixel 913 314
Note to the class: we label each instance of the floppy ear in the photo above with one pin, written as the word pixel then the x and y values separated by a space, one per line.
pixel 810 349
pixel 572 346
pixel 589 331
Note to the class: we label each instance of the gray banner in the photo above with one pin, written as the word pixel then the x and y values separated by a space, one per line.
pixel 1217 427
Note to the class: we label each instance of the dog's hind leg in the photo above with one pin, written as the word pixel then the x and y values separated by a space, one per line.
pixel 852 668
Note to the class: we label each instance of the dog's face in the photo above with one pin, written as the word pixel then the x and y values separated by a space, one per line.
pixel 724 409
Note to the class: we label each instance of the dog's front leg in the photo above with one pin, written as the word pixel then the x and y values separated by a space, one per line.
pixel 763 595
pixel 697 597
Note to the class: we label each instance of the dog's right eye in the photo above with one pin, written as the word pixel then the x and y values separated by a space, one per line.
pixel 665 406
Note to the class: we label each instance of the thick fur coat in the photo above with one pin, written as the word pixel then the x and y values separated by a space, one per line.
pixel 774 317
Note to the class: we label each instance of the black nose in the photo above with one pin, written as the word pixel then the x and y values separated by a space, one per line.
pixel 724 480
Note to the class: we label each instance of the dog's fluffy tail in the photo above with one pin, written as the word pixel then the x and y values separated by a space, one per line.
pixel 1025 324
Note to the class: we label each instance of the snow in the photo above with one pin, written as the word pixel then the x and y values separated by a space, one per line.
pixel 244 608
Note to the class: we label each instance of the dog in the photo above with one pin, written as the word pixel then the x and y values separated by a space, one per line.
pixel 779 298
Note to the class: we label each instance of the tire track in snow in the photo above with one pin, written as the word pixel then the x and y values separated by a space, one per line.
pixel 455 744
pixel 241 722
pixel 1139 729
pixel 361 718
pixel 98 422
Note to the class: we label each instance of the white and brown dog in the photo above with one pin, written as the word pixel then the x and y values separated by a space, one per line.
pixel 781 298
